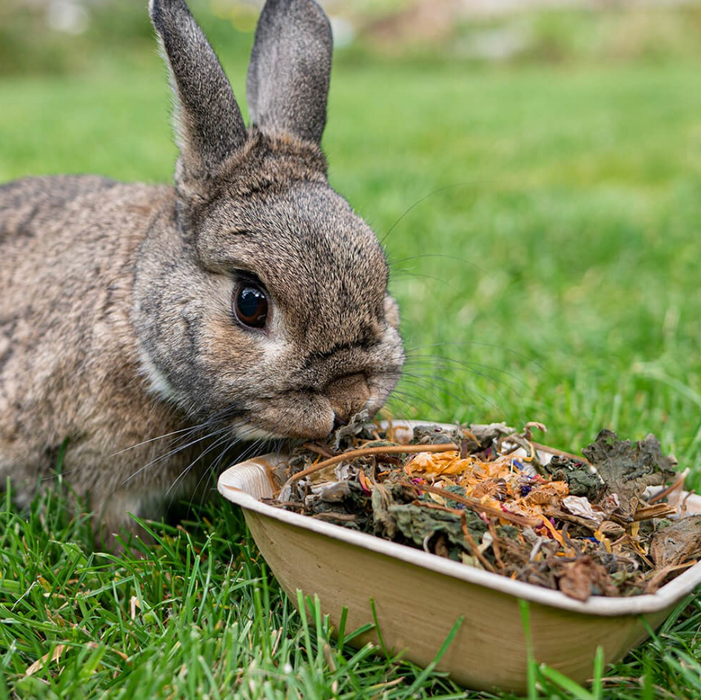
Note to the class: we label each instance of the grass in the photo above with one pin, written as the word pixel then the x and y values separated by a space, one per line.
pixel 543 225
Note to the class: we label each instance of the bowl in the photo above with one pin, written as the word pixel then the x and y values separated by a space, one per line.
pixel 418 597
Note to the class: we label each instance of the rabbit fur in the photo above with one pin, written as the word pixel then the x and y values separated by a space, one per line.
pixel 116 321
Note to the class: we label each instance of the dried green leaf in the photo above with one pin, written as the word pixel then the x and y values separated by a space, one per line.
pixel 436 435
pixel 628 469
pixel 579 477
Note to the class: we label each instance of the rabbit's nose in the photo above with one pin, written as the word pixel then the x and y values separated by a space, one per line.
pixel 347 395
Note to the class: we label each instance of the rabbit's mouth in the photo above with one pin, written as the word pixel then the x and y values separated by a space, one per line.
pixel 291 415
pixel 312 414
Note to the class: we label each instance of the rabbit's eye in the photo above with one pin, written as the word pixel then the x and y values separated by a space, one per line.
pixel 250 305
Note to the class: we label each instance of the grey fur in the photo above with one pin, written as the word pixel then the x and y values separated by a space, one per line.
pixel 115 300
pixel 288 77
pixel 209 124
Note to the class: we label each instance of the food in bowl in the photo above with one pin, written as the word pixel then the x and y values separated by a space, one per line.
pixel 604 524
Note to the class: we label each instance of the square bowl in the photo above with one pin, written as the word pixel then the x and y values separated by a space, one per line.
pixel 418 596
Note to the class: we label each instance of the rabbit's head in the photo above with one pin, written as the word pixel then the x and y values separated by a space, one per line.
pixel 260 296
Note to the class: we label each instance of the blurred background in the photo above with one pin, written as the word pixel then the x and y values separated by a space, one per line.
pixel 533 168
pixel 61 36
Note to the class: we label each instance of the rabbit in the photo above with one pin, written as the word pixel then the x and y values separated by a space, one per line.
pixel 247 302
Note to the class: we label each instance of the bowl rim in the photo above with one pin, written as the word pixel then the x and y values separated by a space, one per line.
pixel 232 486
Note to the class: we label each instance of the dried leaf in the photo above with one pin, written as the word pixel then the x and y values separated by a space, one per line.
pixel 419 525
pixel 384 524
pixel 580 478
pixel 486 435
pixel 416 523
pixel 585 577
pixel 40 663
pixel 629 469
pixel 580 506
pixel 677 543
pixel 434 464
pixel 437 435
pixel 359 424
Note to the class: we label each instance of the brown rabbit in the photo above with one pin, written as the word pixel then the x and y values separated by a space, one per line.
pixel 249 301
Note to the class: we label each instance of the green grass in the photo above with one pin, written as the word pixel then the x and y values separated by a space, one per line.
pixel 545 230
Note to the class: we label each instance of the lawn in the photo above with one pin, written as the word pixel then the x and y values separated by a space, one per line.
pixel 544 228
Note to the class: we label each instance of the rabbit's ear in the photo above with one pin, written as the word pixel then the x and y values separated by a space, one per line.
pixel 288 77
pixel 209 125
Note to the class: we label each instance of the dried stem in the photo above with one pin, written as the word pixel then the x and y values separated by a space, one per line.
pixel 665 492
pixel 473 545
pixel 474 504
pixel 352 454
pixel 658 578
pixel 435 506
pixel 319 449
pixel 560 453
pixel 339 517
pixel 495 543
pixel 659 510
pixel 297 505
pixel 586 523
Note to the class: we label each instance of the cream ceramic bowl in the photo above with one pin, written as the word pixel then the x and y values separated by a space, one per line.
pixel 419 596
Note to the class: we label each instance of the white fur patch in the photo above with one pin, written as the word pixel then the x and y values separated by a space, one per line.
pixel 252 432
pixel 158 382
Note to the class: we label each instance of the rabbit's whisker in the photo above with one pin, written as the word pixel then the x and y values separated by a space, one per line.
pixel 436 255
pixel 190 466
pixel 410 400
pixel 212 470
pixel 174 452
pixel 428 385
pixel 191 429
pixel 423 199
pixel 399 272
pixel 443 380
pixel 476 343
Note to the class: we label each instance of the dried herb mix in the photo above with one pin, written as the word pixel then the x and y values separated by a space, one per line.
pixel 490 497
